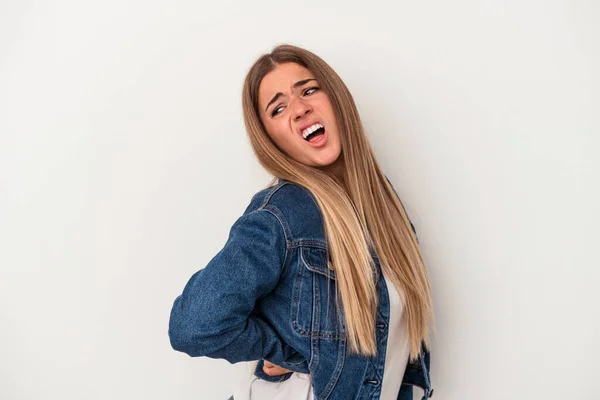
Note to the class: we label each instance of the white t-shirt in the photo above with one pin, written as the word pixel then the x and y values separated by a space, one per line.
pixel 398 346
pixel 298 386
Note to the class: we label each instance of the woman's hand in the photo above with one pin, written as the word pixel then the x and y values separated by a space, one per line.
pixel 274 370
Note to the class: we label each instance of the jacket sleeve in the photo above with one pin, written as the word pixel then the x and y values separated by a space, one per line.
pixel 411 224
pixel 214 317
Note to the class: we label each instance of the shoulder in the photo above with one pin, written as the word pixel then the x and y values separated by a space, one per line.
pixel 283 195
pixel 294 206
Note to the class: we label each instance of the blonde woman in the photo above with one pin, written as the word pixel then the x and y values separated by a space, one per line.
pixel 321 278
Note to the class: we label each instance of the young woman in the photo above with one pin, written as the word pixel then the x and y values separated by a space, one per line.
pixel 321 277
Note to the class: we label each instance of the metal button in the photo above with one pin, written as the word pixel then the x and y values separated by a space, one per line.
pixel 371 381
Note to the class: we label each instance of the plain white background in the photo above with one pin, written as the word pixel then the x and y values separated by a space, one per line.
pixel 124 162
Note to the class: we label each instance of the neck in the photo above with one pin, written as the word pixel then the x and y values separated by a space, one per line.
pixel 337 169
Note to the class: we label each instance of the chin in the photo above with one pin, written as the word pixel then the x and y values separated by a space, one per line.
pixel 325 163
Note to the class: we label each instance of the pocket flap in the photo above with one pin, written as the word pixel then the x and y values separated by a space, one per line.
pixel 315 259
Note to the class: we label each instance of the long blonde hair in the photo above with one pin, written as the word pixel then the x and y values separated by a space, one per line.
pixel 359 212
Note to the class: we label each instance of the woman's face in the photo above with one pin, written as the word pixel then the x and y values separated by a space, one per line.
pixel 292 106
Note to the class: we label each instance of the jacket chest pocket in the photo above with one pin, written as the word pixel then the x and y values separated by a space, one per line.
pixel 314 310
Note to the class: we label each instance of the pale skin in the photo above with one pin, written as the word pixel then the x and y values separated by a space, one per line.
pixel 301 101
pixel 289 98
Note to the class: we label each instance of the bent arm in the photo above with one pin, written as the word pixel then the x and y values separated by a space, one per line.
pixel 213 316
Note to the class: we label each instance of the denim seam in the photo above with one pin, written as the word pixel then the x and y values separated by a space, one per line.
pixel 308 243
pixel 271 192
pixel 338 369
pixel 296 300
pixel 317 269
pixel 312 333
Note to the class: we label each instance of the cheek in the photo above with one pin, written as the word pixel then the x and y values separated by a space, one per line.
pixel 270 128
pixel 274 130
pixel 278 132
pixel 327 107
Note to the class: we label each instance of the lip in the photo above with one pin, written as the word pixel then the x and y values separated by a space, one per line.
pixel 307 124
pixel 321 141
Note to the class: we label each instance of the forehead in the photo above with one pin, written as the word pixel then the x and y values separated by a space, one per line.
pixel 281 79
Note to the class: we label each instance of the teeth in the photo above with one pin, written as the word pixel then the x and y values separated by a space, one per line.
pixel 310 130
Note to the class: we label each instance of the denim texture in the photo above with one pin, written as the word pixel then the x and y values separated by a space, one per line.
pixel 269 295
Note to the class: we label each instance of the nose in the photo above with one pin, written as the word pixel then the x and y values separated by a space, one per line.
pixel 300 108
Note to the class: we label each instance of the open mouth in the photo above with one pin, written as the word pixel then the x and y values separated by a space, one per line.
pixel 311 133
pixel 315 134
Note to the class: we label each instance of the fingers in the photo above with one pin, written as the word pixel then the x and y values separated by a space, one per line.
pixel 274 370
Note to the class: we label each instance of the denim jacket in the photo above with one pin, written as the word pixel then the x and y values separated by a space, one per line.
pixel 263 296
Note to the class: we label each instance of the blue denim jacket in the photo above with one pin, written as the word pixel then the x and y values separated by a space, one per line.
pixel 263 296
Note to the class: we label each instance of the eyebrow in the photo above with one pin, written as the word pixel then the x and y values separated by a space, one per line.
pixel 297 84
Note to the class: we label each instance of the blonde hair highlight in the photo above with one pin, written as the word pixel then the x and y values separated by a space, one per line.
pixel 360 212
